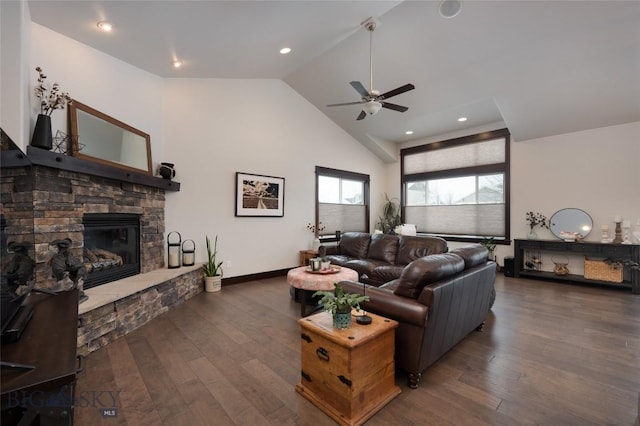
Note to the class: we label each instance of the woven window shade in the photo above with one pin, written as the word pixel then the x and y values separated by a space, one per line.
pixel 476 154
pixel 342 217
pixel 478 219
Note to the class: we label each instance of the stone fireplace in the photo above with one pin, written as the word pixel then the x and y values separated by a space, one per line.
pixel 113 212
pixel 66 203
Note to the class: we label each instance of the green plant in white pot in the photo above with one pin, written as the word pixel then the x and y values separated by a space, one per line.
pixel 390 216
pixel 339 304
pixel 212 268
pixel 490 245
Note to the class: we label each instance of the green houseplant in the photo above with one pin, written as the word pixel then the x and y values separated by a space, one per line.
pixel 390 216
pixel 490 245
pixel 339 304
pixel 212 267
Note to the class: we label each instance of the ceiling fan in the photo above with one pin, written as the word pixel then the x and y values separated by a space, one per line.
pixel 372 101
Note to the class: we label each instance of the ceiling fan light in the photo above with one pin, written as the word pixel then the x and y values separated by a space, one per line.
pixel 372 107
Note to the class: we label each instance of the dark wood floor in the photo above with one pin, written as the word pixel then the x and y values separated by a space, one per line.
pixel 553 354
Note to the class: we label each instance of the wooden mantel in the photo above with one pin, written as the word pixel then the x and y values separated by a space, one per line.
pixel 42 157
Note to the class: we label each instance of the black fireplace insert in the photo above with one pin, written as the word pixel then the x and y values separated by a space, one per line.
pixel 111 247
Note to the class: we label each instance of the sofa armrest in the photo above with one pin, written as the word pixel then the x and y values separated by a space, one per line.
pixel 384 302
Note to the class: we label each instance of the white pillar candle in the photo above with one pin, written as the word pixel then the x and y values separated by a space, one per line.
pixel 626 224
pixel 173 259
pixel 605 227
pixel 617 219
pixel 188 258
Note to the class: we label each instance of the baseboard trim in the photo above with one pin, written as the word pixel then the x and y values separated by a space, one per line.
pixel 254 277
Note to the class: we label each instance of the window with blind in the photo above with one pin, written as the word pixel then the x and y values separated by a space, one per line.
pixel 342 201
pixel 459 188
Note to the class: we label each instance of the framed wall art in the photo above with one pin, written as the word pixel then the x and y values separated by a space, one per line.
pixel 258 195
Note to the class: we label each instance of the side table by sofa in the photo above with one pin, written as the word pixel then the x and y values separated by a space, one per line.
pixel 305 255
pixel 348 374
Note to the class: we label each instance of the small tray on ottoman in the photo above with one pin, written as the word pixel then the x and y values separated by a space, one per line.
pixel 334 269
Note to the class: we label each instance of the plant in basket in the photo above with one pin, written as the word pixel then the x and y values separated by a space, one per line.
pixel 339 304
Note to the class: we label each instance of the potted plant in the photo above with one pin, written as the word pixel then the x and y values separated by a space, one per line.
pixel 212 268
pixel 390 216
pixel 490 245
pixel 51 99
pixel 533 220
pixel 339 304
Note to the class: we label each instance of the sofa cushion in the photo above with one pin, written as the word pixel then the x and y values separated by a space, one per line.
pixel 385 273
pixel 383 247
pixel 411 248
pixel 363 266
pixel 426 270
pixel 473 254
pixel 355 244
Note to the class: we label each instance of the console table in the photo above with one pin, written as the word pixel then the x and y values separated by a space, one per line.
pixel 590 249
pixel 42 392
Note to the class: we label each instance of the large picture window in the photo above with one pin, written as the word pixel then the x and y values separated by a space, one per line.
pixel 342 201
pixel 459 188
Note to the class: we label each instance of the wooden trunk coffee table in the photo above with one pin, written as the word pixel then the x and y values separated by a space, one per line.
pixel 308 283
pixel 348 374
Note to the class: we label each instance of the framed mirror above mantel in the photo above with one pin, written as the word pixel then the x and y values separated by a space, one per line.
pixel 101 138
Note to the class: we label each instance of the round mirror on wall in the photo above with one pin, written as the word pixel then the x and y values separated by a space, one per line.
pixel 570 224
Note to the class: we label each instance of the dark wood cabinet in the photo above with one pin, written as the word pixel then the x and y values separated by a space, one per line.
pixel 615 252
pixel 44 393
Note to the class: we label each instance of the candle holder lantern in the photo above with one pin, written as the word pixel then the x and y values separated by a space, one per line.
pixel 173 250
pixel 188 254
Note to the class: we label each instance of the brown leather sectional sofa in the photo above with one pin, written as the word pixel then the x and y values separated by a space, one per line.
pixel 437 300
pixel 380 258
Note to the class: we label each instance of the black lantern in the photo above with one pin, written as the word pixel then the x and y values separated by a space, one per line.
pixel 188 253
pixel 173 250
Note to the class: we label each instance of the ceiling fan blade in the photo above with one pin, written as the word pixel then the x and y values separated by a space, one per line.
pixel 397 91
pixel 362 115
pixel 394 106
pixel 345 103
pixel 359 88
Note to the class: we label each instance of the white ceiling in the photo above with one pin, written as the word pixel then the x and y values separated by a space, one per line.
pixel 541 67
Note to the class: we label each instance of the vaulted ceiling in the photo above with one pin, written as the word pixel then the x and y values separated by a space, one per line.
pixel 540 67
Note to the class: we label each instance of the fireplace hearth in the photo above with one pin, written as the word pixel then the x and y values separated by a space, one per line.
pixel 111 247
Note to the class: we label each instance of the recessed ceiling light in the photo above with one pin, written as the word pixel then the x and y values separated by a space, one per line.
pixel 408 132
pixel 450 8
pixel 176 63
pixel 285 50
pixel 105 26
pixel 462 119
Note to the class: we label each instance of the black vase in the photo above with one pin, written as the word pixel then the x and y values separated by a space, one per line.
pixel 42 137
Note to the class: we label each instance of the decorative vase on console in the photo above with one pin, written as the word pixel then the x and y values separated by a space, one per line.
pixel 533 220
pixel 50 100
pixel 618 230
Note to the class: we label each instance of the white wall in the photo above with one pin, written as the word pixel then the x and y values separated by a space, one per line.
pixel 596 170
pixel 98 80
pixel 217 127
pixel 14 37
